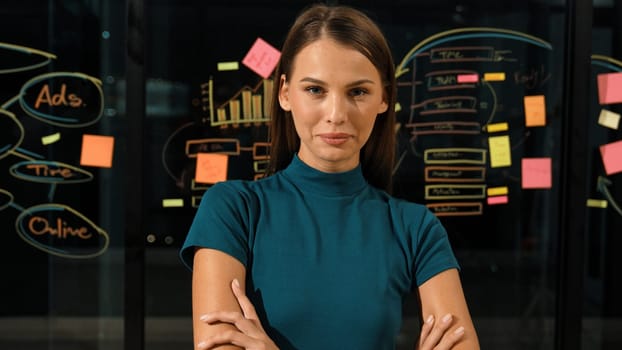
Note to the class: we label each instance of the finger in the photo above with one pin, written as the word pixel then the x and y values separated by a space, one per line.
pixel 450 339
pixel 425 330
pixel 235 318
pixel 229 337
pixel 437 332
pixel 245 304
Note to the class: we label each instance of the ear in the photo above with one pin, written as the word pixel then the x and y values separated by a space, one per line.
pixel 383 107
pixel 284 93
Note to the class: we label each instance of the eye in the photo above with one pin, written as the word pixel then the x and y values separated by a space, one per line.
pixel 314 90
pixel 358 92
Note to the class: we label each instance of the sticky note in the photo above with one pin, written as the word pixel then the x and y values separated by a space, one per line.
pixel 468 78
pixel 497 76
pixel 262 58
pixel 500 154
pixel 611 154
pixel 536 173
pixel 497 127
pixel 497 191
pixel 609 119
pixel 497 200
pixel 211 167
pixel 172 202
pixel 535 110
pixel 398 107
pixel 597 203
pixel 609 88
pixel 224 66
pixel 97 150
pixel 50 139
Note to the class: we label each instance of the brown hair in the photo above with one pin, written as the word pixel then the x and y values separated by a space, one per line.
pixel 349 27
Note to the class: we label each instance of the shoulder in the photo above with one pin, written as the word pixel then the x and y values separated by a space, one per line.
pixel 239 191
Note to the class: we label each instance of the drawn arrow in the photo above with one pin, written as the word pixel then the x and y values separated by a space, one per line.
pixel 601 186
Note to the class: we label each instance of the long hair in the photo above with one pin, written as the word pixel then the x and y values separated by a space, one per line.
pixel 352 28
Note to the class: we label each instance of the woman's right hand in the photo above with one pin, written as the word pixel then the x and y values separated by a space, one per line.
pixel 436 335
pixel 249 333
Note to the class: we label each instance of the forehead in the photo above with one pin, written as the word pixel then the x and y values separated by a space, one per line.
pixel 325 57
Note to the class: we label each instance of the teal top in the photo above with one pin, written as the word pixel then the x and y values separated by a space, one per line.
pixel 329 258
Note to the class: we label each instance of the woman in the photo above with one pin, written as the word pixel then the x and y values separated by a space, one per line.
pixel 318 255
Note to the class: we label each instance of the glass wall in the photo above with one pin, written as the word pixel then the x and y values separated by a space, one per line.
pixel 108 106
pixel 602 308
pixel 479 133
pixel 62 141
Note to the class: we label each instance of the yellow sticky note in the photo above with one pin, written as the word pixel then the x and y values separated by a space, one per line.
pixel 535 110
pixel 211 167
pixel 497 127
pixel 398 107
pixel 47 140
pixel 497 76
pixel 597 203
pixel 173 203
pixel 609 119
pixel 500 153
pixel 497 191
pixel 97 150
pixel 224 66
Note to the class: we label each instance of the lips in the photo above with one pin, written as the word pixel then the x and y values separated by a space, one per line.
pixel 335 138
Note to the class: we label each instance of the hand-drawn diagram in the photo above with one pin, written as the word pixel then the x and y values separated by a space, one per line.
pixel 467 97
pixel 62 100
pixel 611 153
pixel 237 128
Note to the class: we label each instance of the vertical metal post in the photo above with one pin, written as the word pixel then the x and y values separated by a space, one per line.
pixel 573 170
pixel 134 311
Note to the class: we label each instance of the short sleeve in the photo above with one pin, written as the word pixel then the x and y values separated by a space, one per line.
pixel 221 223
pixel 433 250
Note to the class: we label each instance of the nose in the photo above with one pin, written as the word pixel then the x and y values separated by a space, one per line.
pixel 337 109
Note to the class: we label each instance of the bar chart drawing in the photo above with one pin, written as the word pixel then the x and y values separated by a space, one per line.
pixel 247 107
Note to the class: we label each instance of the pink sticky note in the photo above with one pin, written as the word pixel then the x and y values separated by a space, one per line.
pixel 211 167
pixel 468 78
pixel 262 58
pixel 497 200
pixel 536 173
pixel 611 154
pixel 609 88
pixel 97 151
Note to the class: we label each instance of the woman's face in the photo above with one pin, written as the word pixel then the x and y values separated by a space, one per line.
pixel 334 94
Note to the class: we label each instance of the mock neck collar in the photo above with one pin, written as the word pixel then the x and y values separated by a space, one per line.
pixel 309 179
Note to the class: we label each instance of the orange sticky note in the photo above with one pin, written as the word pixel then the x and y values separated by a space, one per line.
pixel 609 88
pixel 536 173
pixel 262 58
pixel 211 167
pixel 535 110
pixel 97 150
pixel 611 154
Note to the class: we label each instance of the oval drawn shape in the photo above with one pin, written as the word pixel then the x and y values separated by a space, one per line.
pixel 28 58
pixel 6 198
pixel 63 99
pixel 60 230
pixel 9 139
pixel 49 172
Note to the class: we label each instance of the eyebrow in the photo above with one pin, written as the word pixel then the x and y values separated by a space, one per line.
pixel 320 82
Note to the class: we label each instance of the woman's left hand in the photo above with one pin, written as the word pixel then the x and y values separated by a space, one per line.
pixel 249 334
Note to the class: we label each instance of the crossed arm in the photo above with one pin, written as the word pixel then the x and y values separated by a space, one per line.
pixel 224 318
